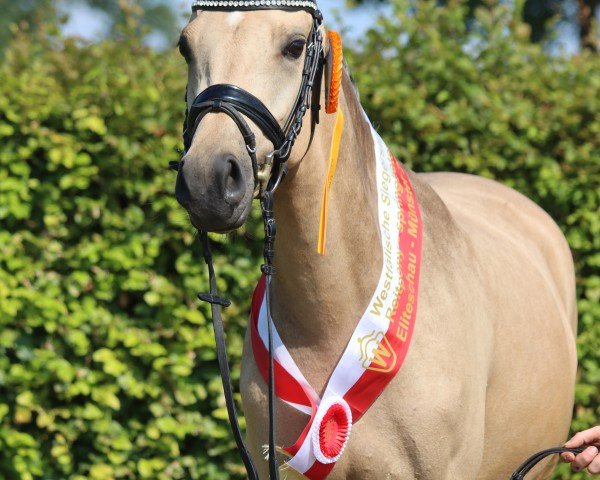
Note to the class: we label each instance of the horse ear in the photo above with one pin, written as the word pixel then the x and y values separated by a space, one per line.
pixel 333 71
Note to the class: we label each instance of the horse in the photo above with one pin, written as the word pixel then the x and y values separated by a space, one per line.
pixel 489 377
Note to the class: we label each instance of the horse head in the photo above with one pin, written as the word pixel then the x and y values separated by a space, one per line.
pixel 250 74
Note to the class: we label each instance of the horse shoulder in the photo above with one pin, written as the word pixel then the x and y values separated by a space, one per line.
pixel 496 216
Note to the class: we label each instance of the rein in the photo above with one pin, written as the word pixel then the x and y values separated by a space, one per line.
pixel 217 302
pixel 237 104
pixel 527 465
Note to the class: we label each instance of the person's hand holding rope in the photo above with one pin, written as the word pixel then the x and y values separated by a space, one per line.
pixel 590 457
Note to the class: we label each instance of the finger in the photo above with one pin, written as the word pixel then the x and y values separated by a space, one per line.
pixel 594 466
pixel 591 435
pixel 567 457
pixel 576 441
pixel 584 459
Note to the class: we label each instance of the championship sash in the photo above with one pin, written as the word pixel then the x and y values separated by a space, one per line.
pixel 378 345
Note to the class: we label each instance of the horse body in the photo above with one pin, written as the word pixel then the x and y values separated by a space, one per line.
pixel 526 277
pixel 490 373
pixel 493 349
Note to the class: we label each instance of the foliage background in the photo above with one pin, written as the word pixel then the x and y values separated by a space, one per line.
pixel 107 364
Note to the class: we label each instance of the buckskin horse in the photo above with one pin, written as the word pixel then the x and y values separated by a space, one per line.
pixel 490 373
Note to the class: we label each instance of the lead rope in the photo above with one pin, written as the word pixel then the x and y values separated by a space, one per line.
pixel 532 461
pixel 216 302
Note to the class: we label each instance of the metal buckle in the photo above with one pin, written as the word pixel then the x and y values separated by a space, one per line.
pixel 264 175
pixel 282 173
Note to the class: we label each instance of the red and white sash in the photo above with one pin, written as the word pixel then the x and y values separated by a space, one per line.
pixel 378 345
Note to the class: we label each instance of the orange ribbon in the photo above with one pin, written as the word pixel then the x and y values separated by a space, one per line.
pixel 333 158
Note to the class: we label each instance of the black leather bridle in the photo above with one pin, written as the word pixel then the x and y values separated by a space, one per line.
pixel 238 103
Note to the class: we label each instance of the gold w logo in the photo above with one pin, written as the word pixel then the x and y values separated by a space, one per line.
pixel 376 352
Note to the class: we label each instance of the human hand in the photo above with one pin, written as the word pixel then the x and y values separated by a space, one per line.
pixel 590 457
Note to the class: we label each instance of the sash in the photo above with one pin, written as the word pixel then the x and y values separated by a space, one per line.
pixel 378 345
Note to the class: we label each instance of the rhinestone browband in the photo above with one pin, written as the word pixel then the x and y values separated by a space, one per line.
pixel 254 4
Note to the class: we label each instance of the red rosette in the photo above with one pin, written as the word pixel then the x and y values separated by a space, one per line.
pixel 331 430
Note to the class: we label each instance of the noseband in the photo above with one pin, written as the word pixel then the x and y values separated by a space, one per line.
pixel 238 103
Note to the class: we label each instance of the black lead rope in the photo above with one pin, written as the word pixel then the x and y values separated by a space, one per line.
pixel 532 461
pixel 216 303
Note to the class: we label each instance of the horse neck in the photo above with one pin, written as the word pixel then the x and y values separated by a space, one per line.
pixel 318 300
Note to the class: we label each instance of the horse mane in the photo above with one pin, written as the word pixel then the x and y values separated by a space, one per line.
pixel 352 79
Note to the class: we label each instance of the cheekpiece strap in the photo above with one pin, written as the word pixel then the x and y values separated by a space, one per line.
pixel 256 5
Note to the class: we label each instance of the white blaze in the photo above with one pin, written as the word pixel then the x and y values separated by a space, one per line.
pixel 234 18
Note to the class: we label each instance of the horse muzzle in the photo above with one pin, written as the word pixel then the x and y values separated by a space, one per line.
pixel 217 194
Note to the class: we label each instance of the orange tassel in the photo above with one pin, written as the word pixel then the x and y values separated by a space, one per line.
pixel 333 158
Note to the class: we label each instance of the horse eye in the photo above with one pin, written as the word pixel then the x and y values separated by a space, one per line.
pixel 295 49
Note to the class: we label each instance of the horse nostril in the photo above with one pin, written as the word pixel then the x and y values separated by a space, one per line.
pixel 230 179
pixel 235 176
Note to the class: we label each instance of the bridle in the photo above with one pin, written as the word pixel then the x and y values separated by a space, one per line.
pixel 237 104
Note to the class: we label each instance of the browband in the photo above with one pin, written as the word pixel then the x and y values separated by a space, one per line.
pixel 255 5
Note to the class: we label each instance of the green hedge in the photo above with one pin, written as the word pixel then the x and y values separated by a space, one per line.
pixel 107 364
